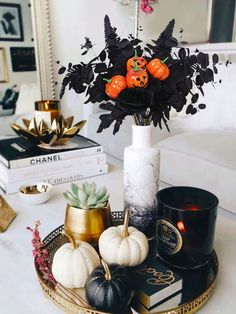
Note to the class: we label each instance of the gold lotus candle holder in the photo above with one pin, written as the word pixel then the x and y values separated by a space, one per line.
pixel 59 133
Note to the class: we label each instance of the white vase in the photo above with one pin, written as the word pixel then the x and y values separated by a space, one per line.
pixel 141 180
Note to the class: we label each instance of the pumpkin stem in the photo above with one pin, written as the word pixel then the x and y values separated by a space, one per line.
pixel 126 223
pixel 107 270
pixel 107 80
pixel 163 61
pixel 135 53
pixel 72 239
pixel 135 67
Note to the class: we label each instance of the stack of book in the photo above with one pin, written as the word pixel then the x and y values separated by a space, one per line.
pixel 22 162
pixel 157 287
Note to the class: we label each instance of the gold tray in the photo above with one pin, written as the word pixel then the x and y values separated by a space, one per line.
pixel 67 301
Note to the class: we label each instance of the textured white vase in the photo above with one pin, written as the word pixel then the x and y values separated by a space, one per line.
pixel 141 180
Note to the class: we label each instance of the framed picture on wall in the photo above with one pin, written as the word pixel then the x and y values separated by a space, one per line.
pixel 23 59
pixel 3 66
pixel 11 28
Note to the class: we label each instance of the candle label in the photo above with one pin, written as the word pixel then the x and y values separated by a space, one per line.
pixel 169 239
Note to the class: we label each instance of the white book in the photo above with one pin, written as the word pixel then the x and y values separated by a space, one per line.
pixel 20 174
pixel 62 177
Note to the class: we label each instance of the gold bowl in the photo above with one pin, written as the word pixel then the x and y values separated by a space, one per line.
pixel 87 224
pixel 35 194
pixel 60 132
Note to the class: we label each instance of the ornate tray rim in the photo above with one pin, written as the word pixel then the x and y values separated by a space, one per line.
pixel 186 308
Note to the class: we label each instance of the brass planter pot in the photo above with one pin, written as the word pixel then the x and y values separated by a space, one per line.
pixel 87 225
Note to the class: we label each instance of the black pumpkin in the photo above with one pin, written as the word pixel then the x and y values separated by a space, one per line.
pixel 108 288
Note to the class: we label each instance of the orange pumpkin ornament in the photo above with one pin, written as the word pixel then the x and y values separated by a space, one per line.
pixel 115 85
pixel 137 77
pixel 140 62
pixel 158 69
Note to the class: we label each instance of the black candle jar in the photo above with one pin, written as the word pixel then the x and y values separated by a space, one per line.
pixel 186 218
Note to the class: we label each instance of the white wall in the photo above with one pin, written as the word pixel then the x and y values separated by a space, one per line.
pixel 19 77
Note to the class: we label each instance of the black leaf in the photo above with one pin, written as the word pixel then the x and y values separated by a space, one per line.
pixel 135 41
pixel 199 81
pixel 100 67
pixel 62 70
pixel 194 98
pixel 189 83
pixel 203 59
pixel 87 45
pixel 116 114
pixel 201 90
pixel 171 42
pixel 209 75
pixel 161 49
pixel 58 61
pixel 147 50
pixel 193 111
pixel 84 53
pixel 182 53
pixel 102 55
pixel 69 66
pixel 215 58
pixel 215 69
pixel 189 109
pixel 109 32
pixel 65 82
pixel 201 106
pixel 123 43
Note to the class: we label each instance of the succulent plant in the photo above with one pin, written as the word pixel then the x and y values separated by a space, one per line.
pixel 87 196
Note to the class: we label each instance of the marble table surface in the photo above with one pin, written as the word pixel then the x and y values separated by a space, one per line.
pixel 20 291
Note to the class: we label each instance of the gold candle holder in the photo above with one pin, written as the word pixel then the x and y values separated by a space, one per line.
pixel 46 110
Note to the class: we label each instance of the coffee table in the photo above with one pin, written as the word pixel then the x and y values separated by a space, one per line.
pixel 20 291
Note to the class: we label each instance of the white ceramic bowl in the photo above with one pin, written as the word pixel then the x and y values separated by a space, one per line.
pixel 35 194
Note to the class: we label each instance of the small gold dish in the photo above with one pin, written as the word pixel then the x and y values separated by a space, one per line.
pixel 87 225
pixel 36 193
pixel 60 132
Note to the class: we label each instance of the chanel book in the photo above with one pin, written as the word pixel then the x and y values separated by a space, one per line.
pixel 157 286
pixel 17 152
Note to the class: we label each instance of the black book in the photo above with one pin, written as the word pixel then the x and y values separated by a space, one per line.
pixel 17 152
pixel 157 287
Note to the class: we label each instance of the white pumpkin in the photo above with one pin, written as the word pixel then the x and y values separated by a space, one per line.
pixel 123 245
pixel 73 263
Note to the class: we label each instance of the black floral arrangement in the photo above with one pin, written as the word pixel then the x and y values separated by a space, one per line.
pixel 144 82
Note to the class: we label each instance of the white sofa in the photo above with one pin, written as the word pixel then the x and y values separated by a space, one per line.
pixel 202 159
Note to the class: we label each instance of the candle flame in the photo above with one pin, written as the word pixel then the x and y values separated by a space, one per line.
pixel 180 225
pixel 191 207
